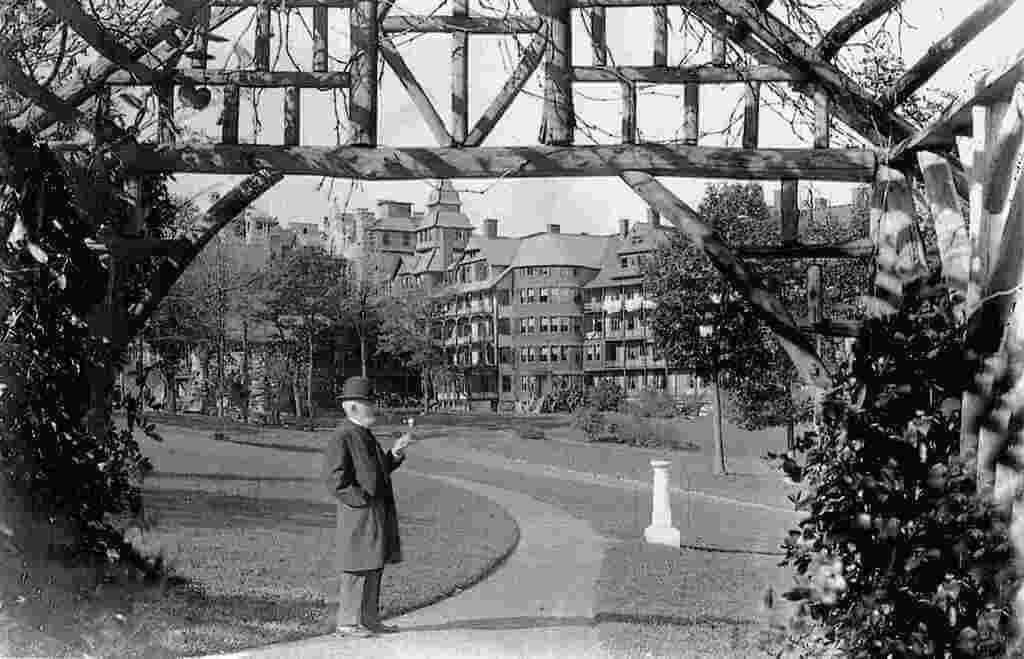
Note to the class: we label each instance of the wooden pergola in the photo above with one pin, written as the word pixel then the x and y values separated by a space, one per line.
pixel 752 47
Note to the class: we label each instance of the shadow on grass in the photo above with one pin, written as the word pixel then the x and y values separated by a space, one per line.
pixel 503 624
pixel 674 621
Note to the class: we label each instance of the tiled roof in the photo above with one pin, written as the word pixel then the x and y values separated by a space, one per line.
pixel 561 249
pixel 645 237
pixel 497 251
pixel 423 262
pixel 387 223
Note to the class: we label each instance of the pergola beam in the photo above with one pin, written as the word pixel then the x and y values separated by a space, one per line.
pixel 676 75
pixel 851 249
pixel 399 164
pixel 461 24
pixel 240 77
pixel 942 51
pixel 852 23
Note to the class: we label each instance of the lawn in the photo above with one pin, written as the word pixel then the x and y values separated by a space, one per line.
pixel 251 571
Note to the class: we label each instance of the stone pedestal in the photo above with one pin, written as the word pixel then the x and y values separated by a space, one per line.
pixel 661 531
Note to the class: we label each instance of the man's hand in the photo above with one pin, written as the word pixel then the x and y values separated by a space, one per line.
pixel 399 446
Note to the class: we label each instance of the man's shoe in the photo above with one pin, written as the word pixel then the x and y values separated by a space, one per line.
pixel 353 631
pixel 381 628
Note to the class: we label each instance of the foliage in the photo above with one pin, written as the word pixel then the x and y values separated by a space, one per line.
pixel 406 335
pixel 652 403
pixel 898 555
pixel 605 396
pixel 690 294
pixel 629 429
pixel 563 398
pixel 62 462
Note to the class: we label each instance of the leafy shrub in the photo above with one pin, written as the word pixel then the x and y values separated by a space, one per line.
pixel 58 462
pixel 653 404
pixel 563 399
pixel 629 429
pixel 605 396
pixel 898 555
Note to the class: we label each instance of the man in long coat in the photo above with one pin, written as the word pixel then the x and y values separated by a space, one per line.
pixel 357 473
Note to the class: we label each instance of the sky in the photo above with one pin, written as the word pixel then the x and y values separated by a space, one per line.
pixel 591 205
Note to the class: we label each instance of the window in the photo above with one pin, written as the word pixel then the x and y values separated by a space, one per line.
pixel 624 262
pixel 504 326
pixel 531 353
pixel 503 297
pixel 632 351
pixel 544 324
pixel 531 325
pixel 525 383
pixel 565 353
pixel 631 322
pixel 506 384
pixel 406 240
pixel 564 323
pixel 543 353
pixel 523 355
pixel 505 355
pixel 543 294
pixel 631 382
pixel 576 324
pixel 385 238
pixel 614 324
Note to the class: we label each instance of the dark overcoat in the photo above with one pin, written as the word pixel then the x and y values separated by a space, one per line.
pixel 357 473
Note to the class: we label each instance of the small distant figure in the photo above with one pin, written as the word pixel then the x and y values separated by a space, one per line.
pixel 357 472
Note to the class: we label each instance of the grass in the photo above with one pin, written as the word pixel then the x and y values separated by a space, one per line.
pixel 654 601
pixel 256 571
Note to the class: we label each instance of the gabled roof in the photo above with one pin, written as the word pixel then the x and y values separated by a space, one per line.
pixel 645 237
pixel 389 223
pixel 420 263
pixel 440 217
pixel 567 249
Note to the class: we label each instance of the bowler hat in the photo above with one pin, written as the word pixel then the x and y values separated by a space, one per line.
pixel 357 388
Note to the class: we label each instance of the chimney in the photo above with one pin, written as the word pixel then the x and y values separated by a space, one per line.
pixel 624 226
pixel 554 228
pixel 491 227
pixel 653 218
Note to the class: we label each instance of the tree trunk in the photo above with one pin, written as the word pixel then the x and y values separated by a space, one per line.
pixel 362 352
pixel 309 380
pixel 204 389
pixel 716 420
pixel 220 374
pixel 171 384
pixel 297 395
pixel 246 378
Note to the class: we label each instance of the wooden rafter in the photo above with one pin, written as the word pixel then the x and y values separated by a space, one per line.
pixel 851 249
pixel 419 97
pixel 83 86
pixel 395 164
pixel 528 63
pixel 943 50
pixel 677 75
pixel 13 75
pixel 852 23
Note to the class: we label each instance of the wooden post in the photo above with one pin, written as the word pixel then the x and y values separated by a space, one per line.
pixel 660 54
pixel 628 113
pixel 363 28
pixel 598 41
pixel 789 211
pixel 691 113
pixel 751 115
pixel 292 113
pixel 261 47
pixel 822 119
pixel 899 255
pixel 950 228
pixel 718 49
pixel 320 49
pixel 165 112
pixel 201 49
pixel 460 77
pixel 229 116
pixel 559 116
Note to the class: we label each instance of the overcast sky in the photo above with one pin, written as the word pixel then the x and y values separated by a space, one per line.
pixel 591 205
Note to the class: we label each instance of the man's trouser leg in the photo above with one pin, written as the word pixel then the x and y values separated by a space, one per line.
pixel 359 598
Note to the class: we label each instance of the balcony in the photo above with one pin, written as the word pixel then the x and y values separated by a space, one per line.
pixel 635 333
